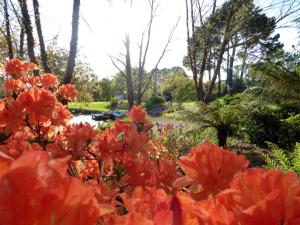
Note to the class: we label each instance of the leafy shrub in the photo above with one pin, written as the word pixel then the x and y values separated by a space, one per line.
pixel 273 124
pixel 154 102
pixel 114 102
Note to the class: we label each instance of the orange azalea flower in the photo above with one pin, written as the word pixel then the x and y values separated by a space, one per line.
pixel 209 169
pixel 18 144
pixel 48 80
pixel 138 115
pixel 37 190
pixel 5 162
pixel 260 197
pixel 14 66
pixel 144 206
pixel 67 91
pixel 38 104
pixel 77 138
pixel 122 139
pixel 13 85
pixel 60 115
pixel 210 212
pixel 11 115
pixel 18 68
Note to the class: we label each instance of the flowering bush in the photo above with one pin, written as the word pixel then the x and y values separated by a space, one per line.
pixel 55 173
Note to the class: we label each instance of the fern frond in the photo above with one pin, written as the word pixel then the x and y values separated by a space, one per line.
pixel 296 159
pixel 270 163
pixel 280 158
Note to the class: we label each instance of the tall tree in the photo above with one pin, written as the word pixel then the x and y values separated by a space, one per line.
pixel 73 44
pixel 8 34
pixel 144 52
pixel 29 32
pixel 18 15
pixel 143 78
pixel 232 24
pixel 44 57
pixel 130 92
pixel 127 75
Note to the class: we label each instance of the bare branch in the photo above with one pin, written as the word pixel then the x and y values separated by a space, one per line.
pixel 170 38
pixel 116 66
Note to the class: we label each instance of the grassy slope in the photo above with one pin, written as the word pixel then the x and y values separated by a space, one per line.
pixel 100 106
pixel 190 104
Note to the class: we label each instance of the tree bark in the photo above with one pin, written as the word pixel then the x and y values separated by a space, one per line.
pixel 44 56
pixel 21 47
pixel 243 64
pixel 219 84
pixel 217 69
pixel 8 34
pixel 230 72
pixel 130 93
pixel 222 137
pixel 29 33
pixel 73 44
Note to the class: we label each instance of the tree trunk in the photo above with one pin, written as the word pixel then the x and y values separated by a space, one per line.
pixel 20 51
pixel 155 78
pixel 8 34
pixel 44 57
pixel 222 137
pixel 220 56
pixel 73 44
pixel 209 64
pixel 216 72
pixel 230 72
pixel 202 70
pixel 29 33
pixel 21 48
pixel 243 64
pixel 130 93
pixel 219 84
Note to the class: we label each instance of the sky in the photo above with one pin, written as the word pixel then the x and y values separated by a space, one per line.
pixel 103 27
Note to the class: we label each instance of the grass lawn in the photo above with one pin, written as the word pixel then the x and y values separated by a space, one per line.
pixel 100 106
pixel 193 104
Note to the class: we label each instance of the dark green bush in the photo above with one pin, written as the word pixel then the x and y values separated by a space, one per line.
pixel 277 124
pixel 154 102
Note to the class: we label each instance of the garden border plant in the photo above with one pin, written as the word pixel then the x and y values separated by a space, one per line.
pixel 55 173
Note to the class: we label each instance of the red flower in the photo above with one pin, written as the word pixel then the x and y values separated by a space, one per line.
pixel 38 104
pixel 18 144
pixel 143 207
pixel 48 80
pixel 209 169
pixel 5 162
pixel 37 190
pixel 78 137
pixel 67 91
pixel 13 85
pixel 14 66
pixel 260 197
pixel 11 115
pixel 18 68
pixel 138 115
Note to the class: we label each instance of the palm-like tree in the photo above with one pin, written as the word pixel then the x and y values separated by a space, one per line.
pixel 221 115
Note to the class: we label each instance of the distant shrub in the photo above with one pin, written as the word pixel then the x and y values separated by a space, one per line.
pixel 113 102
pixel 154 102
pixel 278 124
